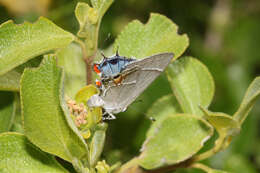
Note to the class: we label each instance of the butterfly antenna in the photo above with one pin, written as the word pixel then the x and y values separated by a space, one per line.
pixel 117 53
pixel 103 55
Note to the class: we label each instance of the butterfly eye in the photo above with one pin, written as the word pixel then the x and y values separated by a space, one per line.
pixel 96 69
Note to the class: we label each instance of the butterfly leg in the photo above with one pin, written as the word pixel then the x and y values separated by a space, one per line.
pixel 109 116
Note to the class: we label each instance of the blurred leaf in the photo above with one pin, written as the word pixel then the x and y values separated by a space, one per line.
pixel 191 83
pixel 217 171
pixel 97 144
pixel 18 155
pixel 19 43
pixel 237 163
pixel 157 36
pixel 44 121
pixel 7 110
pixel 70 58
pixel 164 106
pixel 20 7
pixel 176 138
pixel 10 81
pixel 249 100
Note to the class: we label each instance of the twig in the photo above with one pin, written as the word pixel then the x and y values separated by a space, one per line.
pixel 88 61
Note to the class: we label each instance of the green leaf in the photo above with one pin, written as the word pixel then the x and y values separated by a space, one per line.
pixel 10 81
pixel 7 110
pixel 249 100
pixel 101 6
pixel 237 162
pixel 45 124
pixel 191 83
pixel 19 43
pixel 164 106
pixel 94 115
pixel 176 138
pixel 85 93
pixel 89 20
pixel 86 17
pixel 157 36
pixel 97 143
pixel 70 58
pixel 18 155
pixel 224 124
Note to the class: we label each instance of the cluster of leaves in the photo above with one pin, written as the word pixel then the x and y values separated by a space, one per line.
pixel 183 122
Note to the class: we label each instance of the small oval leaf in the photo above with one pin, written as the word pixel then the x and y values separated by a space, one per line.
pixel 164 106
pixel 191 83
pixel 176 138
pixel 157 36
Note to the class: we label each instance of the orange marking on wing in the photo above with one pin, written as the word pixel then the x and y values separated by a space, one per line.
pixel 119 79
pixel 98 83
pixel 95 67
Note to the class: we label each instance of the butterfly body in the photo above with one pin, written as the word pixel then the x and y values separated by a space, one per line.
pixel 111 67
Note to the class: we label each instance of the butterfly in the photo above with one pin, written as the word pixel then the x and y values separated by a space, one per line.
pixel 135 77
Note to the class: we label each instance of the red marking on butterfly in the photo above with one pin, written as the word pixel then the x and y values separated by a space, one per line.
pixel 95 67
pixel 98 83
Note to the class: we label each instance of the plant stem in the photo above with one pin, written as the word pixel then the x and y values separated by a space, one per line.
pixel 88 61
pixel 211 152
pixel 202 167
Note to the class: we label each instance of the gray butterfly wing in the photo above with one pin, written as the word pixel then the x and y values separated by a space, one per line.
pixel 118 98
